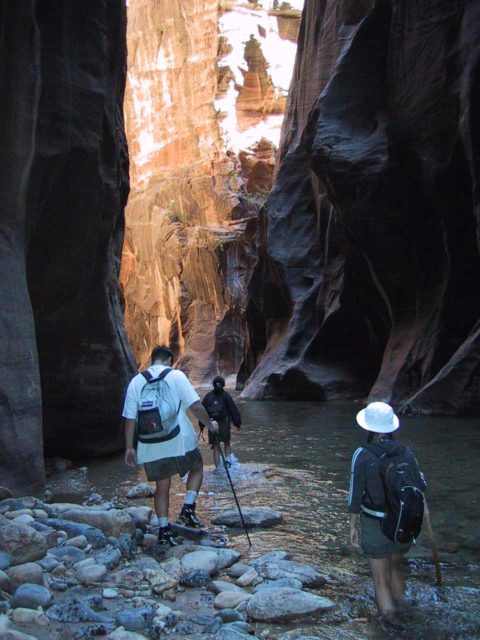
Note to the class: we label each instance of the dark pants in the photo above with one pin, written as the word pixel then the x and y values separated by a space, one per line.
pixel 224 432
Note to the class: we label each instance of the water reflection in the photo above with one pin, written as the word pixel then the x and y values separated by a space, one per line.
pixel 296 457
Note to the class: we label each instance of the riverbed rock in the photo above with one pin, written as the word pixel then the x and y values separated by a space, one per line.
pixel 291 583
pixel 68 555
pixel 91 574
pixel 77 541
pixel 231 633
pixel 74 608
pixel 135 619
pixel 159 580
pixel 246 579
pixel 110 558
pixel 5 560
pixel 114 522
pixel 230 599
pixel 307 575
pixel 238 570
pixel 31 596
pixel 284 604
pixel 226 557
pixel 220 586
pixel 48 563
pixel 230 615
pixel 94 536
pixel 128 577
pixel 196 578
pixel 206 560
pixel 253 517
pixel 29 616
pixel 5 582
pixel 22 542
pixel 140 513
pixel 29 572
pixel 122 634
pixel 142 490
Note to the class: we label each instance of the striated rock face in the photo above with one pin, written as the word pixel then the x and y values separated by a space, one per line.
pixel 64 183
pixel 184 259
pixel 368 269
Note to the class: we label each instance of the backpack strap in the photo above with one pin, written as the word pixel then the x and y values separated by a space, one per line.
pixel 148 376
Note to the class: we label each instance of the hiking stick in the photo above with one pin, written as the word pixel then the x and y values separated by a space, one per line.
pixel 217 441
pixel 435 556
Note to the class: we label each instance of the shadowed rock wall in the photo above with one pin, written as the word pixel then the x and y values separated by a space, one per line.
pixel 368 271
pixel 64 183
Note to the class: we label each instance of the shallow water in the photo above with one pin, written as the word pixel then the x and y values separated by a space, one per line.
pixel 296 457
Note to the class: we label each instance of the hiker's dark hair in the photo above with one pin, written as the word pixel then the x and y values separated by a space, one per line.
pixel 371 434
pixel 162 353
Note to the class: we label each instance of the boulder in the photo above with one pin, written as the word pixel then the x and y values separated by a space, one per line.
pixel 226 557
pixel 31 596
pixel 230 615
pixel 246 579
pixel 5 560
pixel 110 558
pixel 231 633
pixel 238 570
pixel 307 575
pixel 291 583
pixel 159 579
pixel 68 555
pixel 220 586
pixel 77 541
pixel 121 634
pixel 206 560
pixel 29 572
pixel 253 517
pixel 94 536
pixel 77 608
pixel 173 567
pixel 283 605
pixel 271 556
pixel 230 599
pixel 91 574
pixel 5 582
pixel 142 490
pixel 48 563
pixel 135 619
pixel 24 519
pixel 29 616
pixel 140 514
pixel 114 522
pixel 196 578
pixel 22 542
pixel 128 577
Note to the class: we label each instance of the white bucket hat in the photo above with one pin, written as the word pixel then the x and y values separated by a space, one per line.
pixel 378 417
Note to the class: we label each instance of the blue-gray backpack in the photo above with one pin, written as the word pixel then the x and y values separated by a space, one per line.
pixel 157 418
pixel 405 502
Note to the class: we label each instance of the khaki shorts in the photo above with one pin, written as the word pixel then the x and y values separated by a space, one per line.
pixel 168 467
pixel 375 543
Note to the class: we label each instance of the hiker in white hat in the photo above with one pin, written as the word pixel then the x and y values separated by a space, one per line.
pixel 388 523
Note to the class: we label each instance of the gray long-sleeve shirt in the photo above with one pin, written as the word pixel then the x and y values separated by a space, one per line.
pixel 366 487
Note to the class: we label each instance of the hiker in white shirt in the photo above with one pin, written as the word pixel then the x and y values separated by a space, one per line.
pixel 176 452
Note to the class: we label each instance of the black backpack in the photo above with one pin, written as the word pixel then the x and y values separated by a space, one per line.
pixel 215 406
pixel 405 502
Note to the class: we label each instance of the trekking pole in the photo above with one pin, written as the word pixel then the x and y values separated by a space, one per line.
pixel 217 441
pixel 435 556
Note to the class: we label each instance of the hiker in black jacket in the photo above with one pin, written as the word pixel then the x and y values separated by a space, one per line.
pixel 221 407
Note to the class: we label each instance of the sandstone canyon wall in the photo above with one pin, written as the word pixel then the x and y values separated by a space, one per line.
pixel 192 208
pixel 368 271
pixel 64 183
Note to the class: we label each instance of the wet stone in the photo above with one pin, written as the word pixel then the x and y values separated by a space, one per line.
pixel 92 630
pixel 282 605
pixel 94 536
pixel 31 596
pixel 230 615
pixel 291 583
pixel 68 555
pixel 76 609
pixel 48 563
pixel 110 558
pixel 253 517
pixel 5 560
pixel 196 578
pixel 135 619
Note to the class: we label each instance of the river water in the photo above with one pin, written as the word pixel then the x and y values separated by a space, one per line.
pixel 295 457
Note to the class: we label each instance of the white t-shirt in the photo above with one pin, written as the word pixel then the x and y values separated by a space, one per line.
pixel 184 394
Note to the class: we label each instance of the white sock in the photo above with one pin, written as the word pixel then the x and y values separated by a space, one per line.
pixel 163 522
pixel 190 496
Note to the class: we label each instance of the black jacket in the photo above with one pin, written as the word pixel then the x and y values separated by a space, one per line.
pixel 229 407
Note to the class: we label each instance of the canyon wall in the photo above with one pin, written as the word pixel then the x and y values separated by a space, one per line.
pixel 195 187
pixel 368 269
pixel 64 183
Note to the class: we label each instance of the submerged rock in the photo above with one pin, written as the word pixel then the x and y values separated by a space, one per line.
pixel 253 517
pixel 283 604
